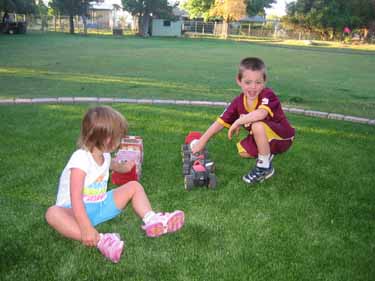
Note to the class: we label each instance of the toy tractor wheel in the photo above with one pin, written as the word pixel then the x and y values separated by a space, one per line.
pixel 184 148
pixel 212 181
pixel 210 166
pixel 186 169
pixel 189 182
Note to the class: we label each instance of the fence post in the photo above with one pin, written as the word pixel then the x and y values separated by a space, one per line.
pixel 249 30
pixel 196 26
pixel 203 28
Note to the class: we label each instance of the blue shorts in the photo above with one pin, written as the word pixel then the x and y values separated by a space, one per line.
pixel 102 211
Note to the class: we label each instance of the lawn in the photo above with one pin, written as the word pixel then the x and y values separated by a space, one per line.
pixel 314 220
pixel 309 77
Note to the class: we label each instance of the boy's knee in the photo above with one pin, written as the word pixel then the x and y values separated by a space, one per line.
pixel 257 127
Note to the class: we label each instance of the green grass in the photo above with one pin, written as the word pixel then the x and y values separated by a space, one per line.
pixel 314 220
pixel 314 77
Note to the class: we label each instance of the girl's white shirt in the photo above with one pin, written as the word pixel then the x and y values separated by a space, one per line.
pixel 96 180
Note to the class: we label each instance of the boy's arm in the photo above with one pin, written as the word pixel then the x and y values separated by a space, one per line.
pixel 247 120
pixel 210 132
pixel 122 166
pixel 89 235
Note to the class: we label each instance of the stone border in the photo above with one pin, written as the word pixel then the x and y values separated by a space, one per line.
pixel 77 100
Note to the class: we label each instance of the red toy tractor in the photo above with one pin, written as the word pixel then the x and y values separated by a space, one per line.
pixel 197 169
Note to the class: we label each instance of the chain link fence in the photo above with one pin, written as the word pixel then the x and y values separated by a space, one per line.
pixel 98 25
pixel 267 29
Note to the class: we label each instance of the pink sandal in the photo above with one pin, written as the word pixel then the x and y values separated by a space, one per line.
pixel 162 223
pixel 111 246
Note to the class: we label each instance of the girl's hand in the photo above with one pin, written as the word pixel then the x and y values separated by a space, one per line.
pixel 89 236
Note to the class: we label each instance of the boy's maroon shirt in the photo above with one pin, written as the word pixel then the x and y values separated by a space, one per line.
pixel 267 100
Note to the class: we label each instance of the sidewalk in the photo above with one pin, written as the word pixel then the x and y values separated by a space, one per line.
pixel 75 100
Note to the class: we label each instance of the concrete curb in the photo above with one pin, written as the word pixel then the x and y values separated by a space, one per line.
pixel 78 100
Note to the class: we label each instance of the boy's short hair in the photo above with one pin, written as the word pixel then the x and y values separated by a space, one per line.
pixel 100 124
pixel 254 64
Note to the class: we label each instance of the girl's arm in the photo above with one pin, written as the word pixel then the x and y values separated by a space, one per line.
pixel 89 235
pixel 247 119
pixel 211 131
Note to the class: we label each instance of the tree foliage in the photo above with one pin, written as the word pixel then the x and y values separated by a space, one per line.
pixel 144 10
pixel 18 6
pixel 329 17
pixel 203 8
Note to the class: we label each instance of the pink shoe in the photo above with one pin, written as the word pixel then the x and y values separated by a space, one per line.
pixel 111 246
pixel 162 223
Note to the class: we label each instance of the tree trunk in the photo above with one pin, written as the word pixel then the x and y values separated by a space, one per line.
pixel 225 29
pixel 84 20
pixel 71 22
pixel 144 25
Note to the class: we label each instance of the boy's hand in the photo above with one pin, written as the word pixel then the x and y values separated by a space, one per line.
pixel 197 147
pixel 235 128
pixel 89 236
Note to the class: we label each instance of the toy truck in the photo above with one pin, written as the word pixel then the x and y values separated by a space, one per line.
pixel 197 169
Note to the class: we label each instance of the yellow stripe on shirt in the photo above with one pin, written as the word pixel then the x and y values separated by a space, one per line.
pixel 222 123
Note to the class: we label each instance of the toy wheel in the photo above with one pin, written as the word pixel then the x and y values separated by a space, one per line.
pixel 187 162
pixel 186 169
pixel 189 182
pixel 212 181
pixel 210 166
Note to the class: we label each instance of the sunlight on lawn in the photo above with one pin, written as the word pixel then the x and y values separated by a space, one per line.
pixel 339 134
pixel 100 79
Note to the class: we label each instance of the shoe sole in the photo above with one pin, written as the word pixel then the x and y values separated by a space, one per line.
pixel 261 180
pixel 174 223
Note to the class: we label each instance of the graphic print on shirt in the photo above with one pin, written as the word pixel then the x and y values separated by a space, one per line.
pixel 96 191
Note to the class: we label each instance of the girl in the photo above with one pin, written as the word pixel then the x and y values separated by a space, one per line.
pixel 83 200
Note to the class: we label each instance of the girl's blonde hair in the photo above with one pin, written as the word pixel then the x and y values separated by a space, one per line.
pixel 102 127
pixel 254 64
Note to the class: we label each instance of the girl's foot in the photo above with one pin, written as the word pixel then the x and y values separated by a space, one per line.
pixel 111 246
pixel 162 223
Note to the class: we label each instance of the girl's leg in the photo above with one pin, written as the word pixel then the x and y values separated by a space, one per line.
pixel 132 191
pixel 63 221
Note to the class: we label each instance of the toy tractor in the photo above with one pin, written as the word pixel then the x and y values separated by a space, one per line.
pixel 197 169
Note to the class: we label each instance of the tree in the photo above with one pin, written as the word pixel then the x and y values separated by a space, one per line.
pixel 198 8
pixel 201 8
pixel 144 10
pixel 228 10
pixel 329 17
pixel 71 8
pixel 18 6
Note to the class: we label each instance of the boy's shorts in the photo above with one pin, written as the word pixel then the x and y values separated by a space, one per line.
pixel 102 211
pixel 277 143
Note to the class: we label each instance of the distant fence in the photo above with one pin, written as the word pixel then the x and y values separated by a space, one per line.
pixel 62 24
pixel 267 29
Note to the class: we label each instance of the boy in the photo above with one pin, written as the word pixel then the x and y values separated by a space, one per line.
pixel 259 110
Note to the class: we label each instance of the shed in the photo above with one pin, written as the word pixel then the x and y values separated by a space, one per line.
pixel 162 27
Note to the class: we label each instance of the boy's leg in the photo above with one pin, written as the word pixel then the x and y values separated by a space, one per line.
pixel 258 144
pixel 261 139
